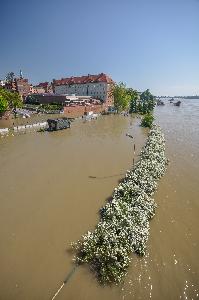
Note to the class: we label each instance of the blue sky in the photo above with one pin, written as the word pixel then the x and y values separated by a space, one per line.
pixel 145 43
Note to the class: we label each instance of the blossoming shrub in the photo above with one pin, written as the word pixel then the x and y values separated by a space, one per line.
pixel 124 221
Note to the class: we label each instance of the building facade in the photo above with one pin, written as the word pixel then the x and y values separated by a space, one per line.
pixel 22 86
pixel 17 84
pixel 43 87
pixel 10 86
pixel 97 86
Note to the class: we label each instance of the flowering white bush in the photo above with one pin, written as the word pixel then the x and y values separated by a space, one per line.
pixel 124 221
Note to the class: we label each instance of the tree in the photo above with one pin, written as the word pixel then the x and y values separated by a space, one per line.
pixel 148 101
pixel 147 120
pixel 10 77
pixel 3 104
pixel 121 96
pixel 13 99
pixel 134 100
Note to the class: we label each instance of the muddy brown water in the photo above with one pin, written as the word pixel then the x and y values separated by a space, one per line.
pixel 48 199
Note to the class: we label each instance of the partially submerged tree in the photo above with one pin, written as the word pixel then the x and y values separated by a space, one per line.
pixel 121 96
pixel 147 120
pixel 142 104
pixel 134 100
pixel 148 101
pixel 128 98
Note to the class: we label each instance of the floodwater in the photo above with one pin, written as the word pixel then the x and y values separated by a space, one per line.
pixel 24 121
pixel 52 186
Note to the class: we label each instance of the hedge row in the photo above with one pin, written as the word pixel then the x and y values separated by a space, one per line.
pixel 123 227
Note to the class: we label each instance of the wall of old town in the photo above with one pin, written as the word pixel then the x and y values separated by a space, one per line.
pixel 79 110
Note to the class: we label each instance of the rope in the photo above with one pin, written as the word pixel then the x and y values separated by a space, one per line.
pixel 104 177
pixel 64 282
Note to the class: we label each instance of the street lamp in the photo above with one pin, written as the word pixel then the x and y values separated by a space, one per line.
pixel 129 135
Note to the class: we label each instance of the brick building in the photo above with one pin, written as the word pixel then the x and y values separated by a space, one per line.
pixel 43 87
pixel 22 86
pixel 10 86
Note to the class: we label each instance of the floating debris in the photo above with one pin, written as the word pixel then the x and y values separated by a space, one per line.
pixel 124 221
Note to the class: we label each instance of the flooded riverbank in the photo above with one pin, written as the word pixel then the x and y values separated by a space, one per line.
pixel 49 198
pixel 11 122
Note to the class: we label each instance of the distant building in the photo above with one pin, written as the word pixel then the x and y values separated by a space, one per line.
pixel 32 89
pixel 65 100
pixel 43 87
pixel 37 90
pixel 10 86
pixel 73 106
pixel 22 86
pixel 97 86
pixel 19 85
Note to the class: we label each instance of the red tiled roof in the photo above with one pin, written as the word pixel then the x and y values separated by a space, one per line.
pixel 84 79
pixel 43 84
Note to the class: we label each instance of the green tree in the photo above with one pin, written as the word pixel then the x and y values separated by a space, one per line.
pixel 147 120
pixel 3 104
pixel 134 100
pixel 148 101
pixel 13 99
pixel 121 96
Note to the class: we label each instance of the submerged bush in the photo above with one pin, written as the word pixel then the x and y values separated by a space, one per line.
pixel 124 221
pixel 147 120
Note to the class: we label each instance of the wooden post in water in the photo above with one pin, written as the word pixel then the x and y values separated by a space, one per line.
pixel 64 282
pixel 133 155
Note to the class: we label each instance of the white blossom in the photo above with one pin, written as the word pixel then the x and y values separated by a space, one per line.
pixel 124 221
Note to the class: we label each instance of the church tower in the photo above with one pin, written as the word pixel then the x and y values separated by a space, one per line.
pixel 20 75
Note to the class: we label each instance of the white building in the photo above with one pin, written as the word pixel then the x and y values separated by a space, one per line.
pixel 97 86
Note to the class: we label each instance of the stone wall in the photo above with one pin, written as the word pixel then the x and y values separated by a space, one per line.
pixel 79 110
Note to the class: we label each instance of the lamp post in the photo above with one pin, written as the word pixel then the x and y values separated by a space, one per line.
pixel 129 135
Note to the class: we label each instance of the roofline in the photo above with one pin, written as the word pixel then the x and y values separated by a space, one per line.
pixel 84 79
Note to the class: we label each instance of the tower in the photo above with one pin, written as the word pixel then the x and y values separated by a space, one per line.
pixel 20 74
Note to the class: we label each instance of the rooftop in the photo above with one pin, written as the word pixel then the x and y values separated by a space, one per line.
pixel 84 79
pixel 43 84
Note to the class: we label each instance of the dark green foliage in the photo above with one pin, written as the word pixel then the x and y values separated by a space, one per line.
pixel 147 120
pixel 134 100
pixel 142 104
pixel 51 106
pixel 148 101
